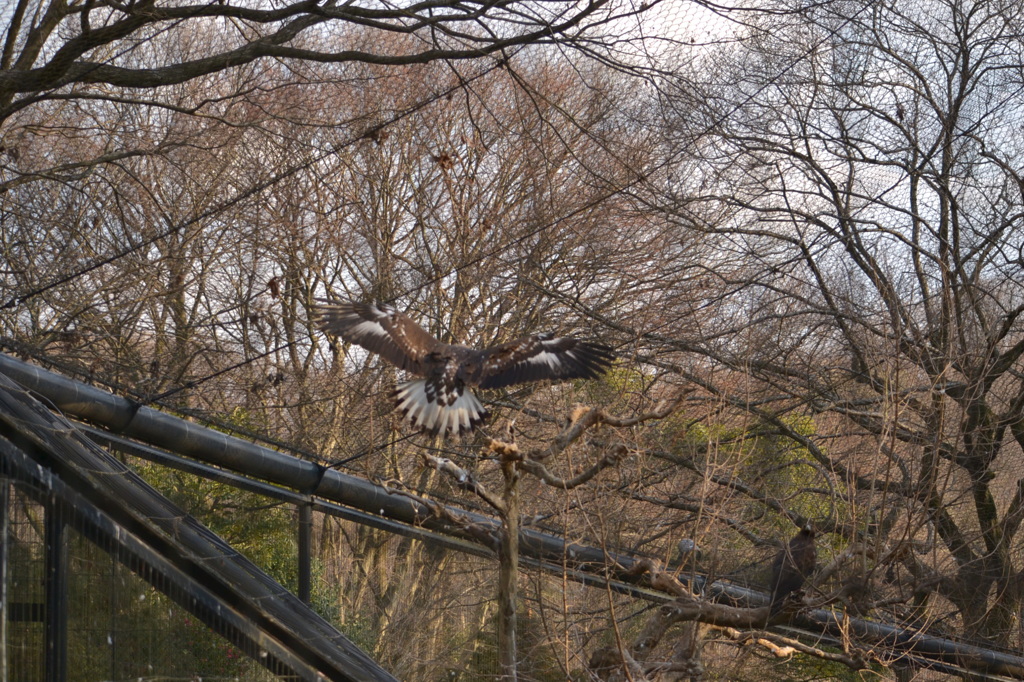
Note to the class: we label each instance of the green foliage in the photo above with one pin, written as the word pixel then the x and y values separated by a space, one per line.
pixel 247 420
pixel 484 662
pixel 360 630
pixel 783 468
pixel 120 627
pixel 620 379
pixel 264 532
pixel 685 436
pixel 762 455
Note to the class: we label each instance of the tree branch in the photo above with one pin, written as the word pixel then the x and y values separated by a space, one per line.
pixel 611 459
pixel 785 647
pixel 463 479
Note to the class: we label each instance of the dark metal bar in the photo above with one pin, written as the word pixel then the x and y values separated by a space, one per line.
pixel 323 506
pixel 112 507
pixel 199 468
pixel 152 426
pixel 305 550
pixel 56 628
pixel 383 509
pixel 214 447
pixel 5 525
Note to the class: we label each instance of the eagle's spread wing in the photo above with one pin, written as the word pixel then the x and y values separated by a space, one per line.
pixel 441 402
pixel 541 357
pixel 380 329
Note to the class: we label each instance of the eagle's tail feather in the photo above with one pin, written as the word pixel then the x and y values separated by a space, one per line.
pixel 421 405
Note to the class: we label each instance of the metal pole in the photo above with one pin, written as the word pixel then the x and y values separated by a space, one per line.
pixel 217 448
pixel 305 550
pixel 56 626
pixel 5 520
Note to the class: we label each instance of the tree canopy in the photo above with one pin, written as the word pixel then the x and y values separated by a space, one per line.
pixel 797 224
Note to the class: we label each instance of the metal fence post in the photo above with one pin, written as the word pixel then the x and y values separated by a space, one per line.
pixel 56 596
pixel 5 492
pixel 305 550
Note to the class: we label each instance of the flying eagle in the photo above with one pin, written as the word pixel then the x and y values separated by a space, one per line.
pixel 440 402
pixel 793 564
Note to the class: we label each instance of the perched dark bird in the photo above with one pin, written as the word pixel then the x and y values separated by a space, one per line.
pixel 689 552
pixel 792 566
pixel 440 402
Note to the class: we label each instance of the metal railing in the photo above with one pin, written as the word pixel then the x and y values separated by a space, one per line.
pixel 121 423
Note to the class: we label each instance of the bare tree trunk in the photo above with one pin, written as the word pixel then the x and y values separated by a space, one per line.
pixel 508 558
pixel 686 655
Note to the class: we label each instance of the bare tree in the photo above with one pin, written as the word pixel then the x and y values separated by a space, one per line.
pixel 503 205
pixel 818 255
pixel 861 181
pixel 69 57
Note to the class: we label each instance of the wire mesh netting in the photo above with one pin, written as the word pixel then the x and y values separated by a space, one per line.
pixel 422 609
pixel 118 626
pixel 798 224
pixel 133 585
